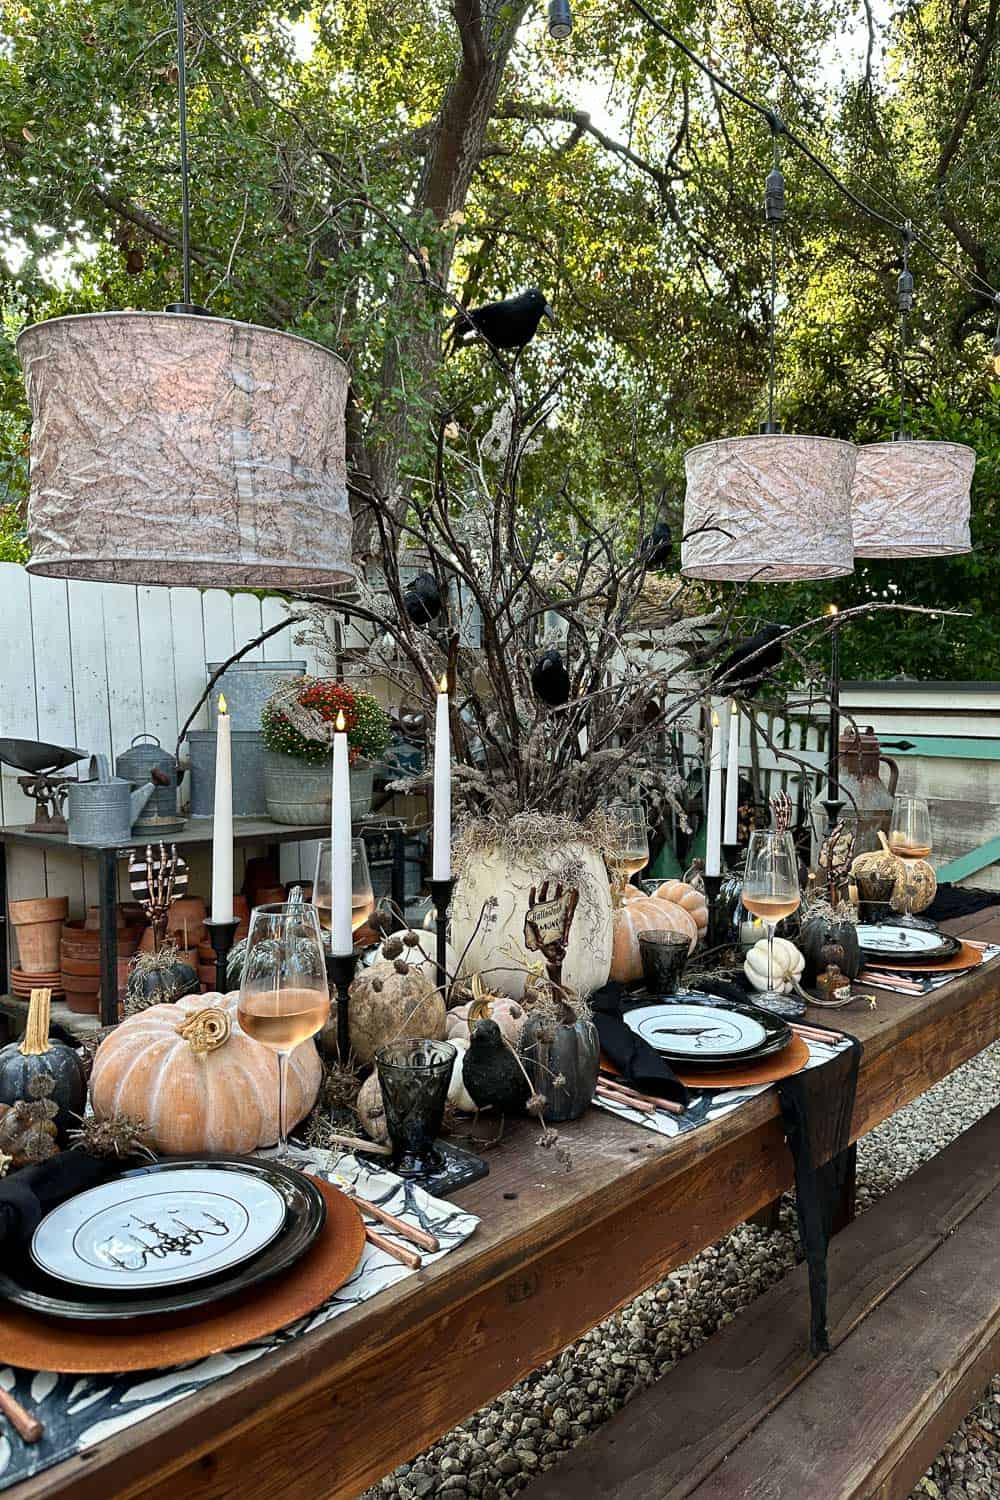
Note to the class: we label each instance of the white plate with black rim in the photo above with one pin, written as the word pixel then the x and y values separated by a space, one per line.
pixel 702 1033
pixel 146 1231
pixel 896 941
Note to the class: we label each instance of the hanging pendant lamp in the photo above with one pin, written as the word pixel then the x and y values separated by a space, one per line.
pixel 911 498
pixel 775 506
pixel 180 448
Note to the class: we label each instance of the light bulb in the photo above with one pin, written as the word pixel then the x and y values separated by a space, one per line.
pixel 560 20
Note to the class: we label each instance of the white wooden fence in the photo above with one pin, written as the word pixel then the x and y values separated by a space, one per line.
pixel 92 665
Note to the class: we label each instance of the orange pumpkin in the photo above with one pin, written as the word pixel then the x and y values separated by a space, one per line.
pixel 197 1079
pixel 641 913
pixel 689 896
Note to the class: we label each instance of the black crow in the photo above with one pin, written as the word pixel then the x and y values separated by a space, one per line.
pixel 737 674
pixel 491 1072
pixel 550 679
pixel 422 599
pixel 508 325
pixel 657 548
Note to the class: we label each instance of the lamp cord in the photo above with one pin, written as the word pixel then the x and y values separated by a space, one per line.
pixel 185 193
pixel 774 214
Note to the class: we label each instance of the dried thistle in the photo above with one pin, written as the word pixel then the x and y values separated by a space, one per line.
pixel 119 1136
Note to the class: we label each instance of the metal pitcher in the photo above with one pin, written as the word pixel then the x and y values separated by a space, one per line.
pixel 144 756
pixel 103 809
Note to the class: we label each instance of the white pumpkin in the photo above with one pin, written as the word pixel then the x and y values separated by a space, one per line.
pixel 489 905
pixel 787 967
pixel 200 1085
pixel 693 900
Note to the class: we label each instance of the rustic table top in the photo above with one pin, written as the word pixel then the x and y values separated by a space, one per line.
pixel 558 1250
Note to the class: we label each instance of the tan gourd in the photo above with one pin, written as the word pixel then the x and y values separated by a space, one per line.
pixel 884 862
pixel 509 1014
pixel 197 1079
pixel 641 913
pixel 689 896
pixel 391 1001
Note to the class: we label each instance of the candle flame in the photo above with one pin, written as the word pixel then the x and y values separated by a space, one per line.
pixel 734 710
pixel 715 719
pixel 341 724
pixel 443 684
pixel 222 704
pixel 832 609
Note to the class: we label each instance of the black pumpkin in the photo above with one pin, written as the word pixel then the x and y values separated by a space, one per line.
pixel 22 1061
pixel 823 941
pixel 159 983
pixel 567 1051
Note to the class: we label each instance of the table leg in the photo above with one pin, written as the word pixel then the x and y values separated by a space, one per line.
pixel 107 903
pixel 768 1217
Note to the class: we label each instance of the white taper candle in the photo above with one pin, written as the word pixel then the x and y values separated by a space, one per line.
pixel 441 861
pixel 341 882
pixel 222 819
pixel 713 846
pixel 730 831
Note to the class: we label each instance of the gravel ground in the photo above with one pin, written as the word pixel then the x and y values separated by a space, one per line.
pixel 500 1448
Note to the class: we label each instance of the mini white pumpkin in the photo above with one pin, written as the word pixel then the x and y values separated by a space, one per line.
pixel 458 1094
pixel 787 968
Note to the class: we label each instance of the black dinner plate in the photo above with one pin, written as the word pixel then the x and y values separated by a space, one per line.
pixel 778 1032
pixel 27 1285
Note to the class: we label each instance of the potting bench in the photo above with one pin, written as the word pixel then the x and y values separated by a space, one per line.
pixel 557 1251
pixel 197 832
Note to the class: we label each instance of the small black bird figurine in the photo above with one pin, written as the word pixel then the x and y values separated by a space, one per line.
pixel 550 679
pixel 491 1072
pixel 422 599
pixel 508 325
pixel 739 674
pixel 657 548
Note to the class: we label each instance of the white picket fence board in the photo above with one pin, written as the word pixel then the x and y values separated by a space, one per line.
pixel 93 665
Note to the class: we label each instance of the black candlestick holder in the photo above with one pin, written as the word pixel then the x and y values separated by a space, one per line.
pixel 222 934
pixel 713 885
pixel 441 896
pixel 340 968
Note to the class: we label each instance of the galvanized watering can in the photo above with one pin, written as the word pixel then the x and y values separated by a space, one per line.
pixel 103 809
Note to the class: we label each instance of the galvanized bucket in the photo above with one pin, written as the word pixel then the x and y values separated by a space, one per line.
pixel 247 685
pixel 135 763
pixel 248 773
pixel 300 793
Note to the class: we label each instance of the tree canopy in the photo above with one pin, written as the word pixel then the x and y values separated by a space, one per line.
pixel 344 156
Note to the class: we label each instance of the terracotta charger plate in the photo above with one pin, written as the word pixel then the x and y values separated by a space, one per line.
pixel 967 957
pixel 93 1348
pixel 791 1059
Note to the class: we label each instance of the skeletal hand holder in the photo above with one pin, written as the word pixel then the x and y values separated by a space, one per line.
pixel 340 969
pixel 221 935
pixel 441 891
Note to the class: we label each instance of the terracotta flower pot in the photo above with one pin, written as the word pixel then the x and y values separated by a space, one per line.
pixel 37 925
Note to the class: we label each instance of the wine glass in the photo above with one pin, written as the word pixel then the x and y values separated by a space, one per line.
pixel 284 996
pixel 632 841
pixel 910 838
pixel 770 892
pixel 362 895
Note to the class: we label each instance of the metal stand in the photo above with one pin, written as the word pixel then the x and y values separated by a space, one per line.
pixel 441 896
pixel 340 969
pixel 222 934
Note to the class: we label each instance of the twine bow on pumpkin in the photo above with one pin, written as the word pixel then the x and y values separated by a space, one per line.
pixel 206 1030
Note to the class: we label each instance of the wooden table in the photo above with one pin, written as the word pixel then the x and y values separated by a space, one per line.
pixel 557 1251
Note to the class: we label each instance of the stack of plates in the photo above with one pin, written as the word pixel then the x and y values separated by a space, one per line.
pixel 712 1033
pixel 896 944
pixel 166 1238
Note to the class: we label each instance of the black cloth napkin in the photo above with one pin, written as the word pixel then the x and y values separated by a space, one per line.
pixel 27 1195
pixel 816 1109
pixel 638 1063
pixel 959 901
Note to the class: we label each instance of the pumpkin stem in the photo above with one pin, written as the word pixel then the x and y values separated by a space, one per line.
pixel 36 1031
pixel 206 1030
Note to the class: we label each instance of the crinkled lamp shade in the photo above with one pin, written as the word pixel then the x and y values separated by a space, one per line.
pixel 911 499
pixel 775 507
pixel 176 449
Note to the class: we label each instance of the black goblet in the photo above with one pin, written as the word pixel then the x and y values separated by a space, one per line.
pixel 414 1078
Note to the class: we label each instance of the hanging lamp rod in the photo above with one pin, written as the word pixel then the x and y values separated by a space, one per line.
pixel 560 25
pixel 185 305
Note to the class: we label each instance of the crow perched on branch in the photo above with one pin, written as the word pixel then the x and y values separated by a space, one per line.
pixel 657 548
pixel 422 599
pixel 550 679
pixel 507 325
pixel 738 674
